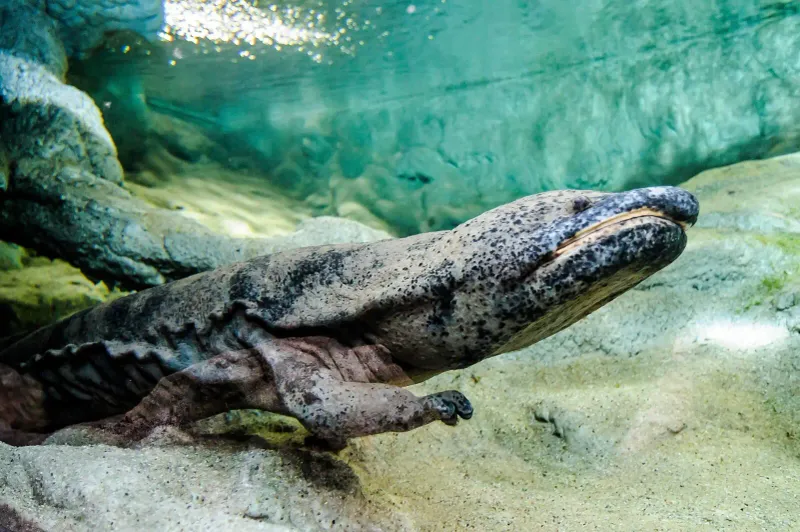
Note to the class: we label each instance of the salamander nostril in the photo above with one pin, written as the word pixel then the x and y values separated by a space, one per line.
pixel 581 203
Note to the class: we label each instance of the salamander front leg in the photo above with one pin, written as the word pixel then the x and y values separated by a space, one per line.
pixel 335 411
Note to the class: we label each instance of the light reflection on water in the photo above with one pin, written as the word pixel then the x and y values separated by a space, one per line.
pixel 243 22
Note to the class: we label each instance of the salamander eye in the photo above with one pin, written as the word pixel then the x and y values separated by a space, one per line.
pixel 581 203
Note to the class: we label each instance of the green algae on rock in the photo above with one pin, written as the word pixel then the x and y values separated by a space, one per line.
pixel 35 291
pixel 11 256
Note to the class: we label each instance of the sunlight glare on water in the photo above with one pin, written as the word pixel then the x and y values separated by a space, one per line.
pixel 247 22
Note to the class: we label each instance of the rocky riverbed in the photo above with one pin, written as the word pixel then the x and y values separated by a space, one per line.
pixel 676 407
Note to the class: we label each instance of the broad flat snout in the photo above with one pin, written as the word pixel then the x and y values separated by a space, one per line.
pixel 675 203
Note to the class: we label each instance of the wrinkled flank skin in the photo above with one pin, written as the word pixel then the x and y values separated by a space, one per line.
pixel 330 334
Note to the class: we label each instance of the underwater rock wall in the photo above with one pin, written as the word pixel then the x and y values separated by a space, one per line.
pixel 61 189
pixel 447 109
pixel 82 23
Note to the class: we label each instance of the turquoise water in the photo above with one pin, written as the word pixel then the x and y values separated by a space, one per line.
pixel 450 108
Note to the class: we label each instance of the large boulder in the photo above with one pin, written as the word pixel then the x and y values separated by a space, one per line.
pixel 31 35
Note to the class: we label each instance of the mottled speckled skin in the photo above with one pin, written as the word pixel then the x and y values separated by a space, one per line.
pixel 327 334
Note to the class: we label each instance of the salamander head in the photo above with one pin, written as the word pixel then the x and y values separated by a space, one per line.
pixel 528 269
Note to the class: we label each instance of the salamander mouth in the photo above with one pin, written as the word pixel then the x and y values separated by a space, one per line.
pixel 612 225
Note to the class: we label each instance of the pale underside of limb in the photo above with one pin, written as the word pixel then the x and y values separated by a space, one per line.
pixel 323 384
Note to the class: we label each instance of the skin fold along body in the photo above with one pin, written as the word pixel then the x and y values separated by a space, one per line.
pixel 332 334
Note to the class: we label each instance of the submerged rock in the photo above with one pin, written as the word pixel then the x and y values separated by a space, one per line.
pixel 160 488
pixel 61 190
pixel 83 23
